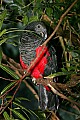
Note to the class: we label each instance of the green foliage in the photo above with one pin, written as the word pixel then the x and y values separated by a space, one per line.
pixel 14 16
pixel 9 71
pixel 6 116
pixel 18 114
pixel 7 87
pixel 69 113
pixel 2 17
pixel 0 55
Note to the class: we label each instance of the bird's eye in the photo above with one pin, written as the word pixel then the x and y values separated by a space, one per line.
pixel 38 26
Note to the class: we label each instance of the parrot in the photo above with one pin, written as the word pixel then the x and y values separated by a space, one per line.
pixel 30 46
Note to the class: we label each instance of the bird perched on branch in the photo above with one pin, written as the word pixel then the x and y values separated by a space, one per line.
pixel 30 46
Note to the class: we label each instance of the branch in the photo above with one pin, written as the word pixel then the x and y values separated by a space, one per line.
pixel 12 97
pixel 31 89
pixel 45 18
pixel 36 60
pixel 61 87
pixel 45 43
pixel 60 21
pixel 62 96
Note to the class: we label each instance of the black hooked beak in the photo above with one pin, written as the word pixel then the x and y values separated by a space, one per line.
pixel 43 35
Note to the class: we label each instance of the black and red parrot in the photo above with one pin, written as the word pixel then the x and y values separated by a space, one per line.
pixel 30 46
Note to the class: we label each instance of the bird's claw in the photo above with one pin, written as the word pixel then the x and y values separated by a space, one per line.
pixel 34 80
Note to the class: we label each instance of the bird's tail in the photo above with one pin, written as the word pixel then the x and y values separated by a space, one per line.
pixel 47 99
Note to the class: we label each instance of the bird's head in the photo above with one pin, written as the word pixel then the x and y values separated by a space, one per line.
pixel 39 28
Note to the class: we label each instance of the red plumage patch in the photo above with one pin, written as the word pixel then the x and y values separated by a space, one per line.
pixel 38 70
pixel 24 66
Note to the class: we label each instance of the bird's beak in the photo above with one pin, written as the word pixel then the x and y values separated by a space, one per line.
pixel 45 37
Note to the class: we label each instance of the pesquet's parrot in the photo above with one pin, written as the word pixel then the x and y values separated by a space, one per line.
pixel 30 47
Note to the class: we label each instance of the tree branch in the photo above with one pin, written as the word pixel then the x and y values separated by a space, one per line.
pixel 45 43
pixel 60 21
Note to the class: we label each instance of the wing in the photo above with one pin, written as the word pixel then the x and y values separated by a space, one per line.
pixel 51 66
pixel 47 98
pixel 43 98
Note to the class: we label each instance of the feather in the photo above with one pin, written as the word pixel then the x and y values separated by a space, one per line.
pixel 47 64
